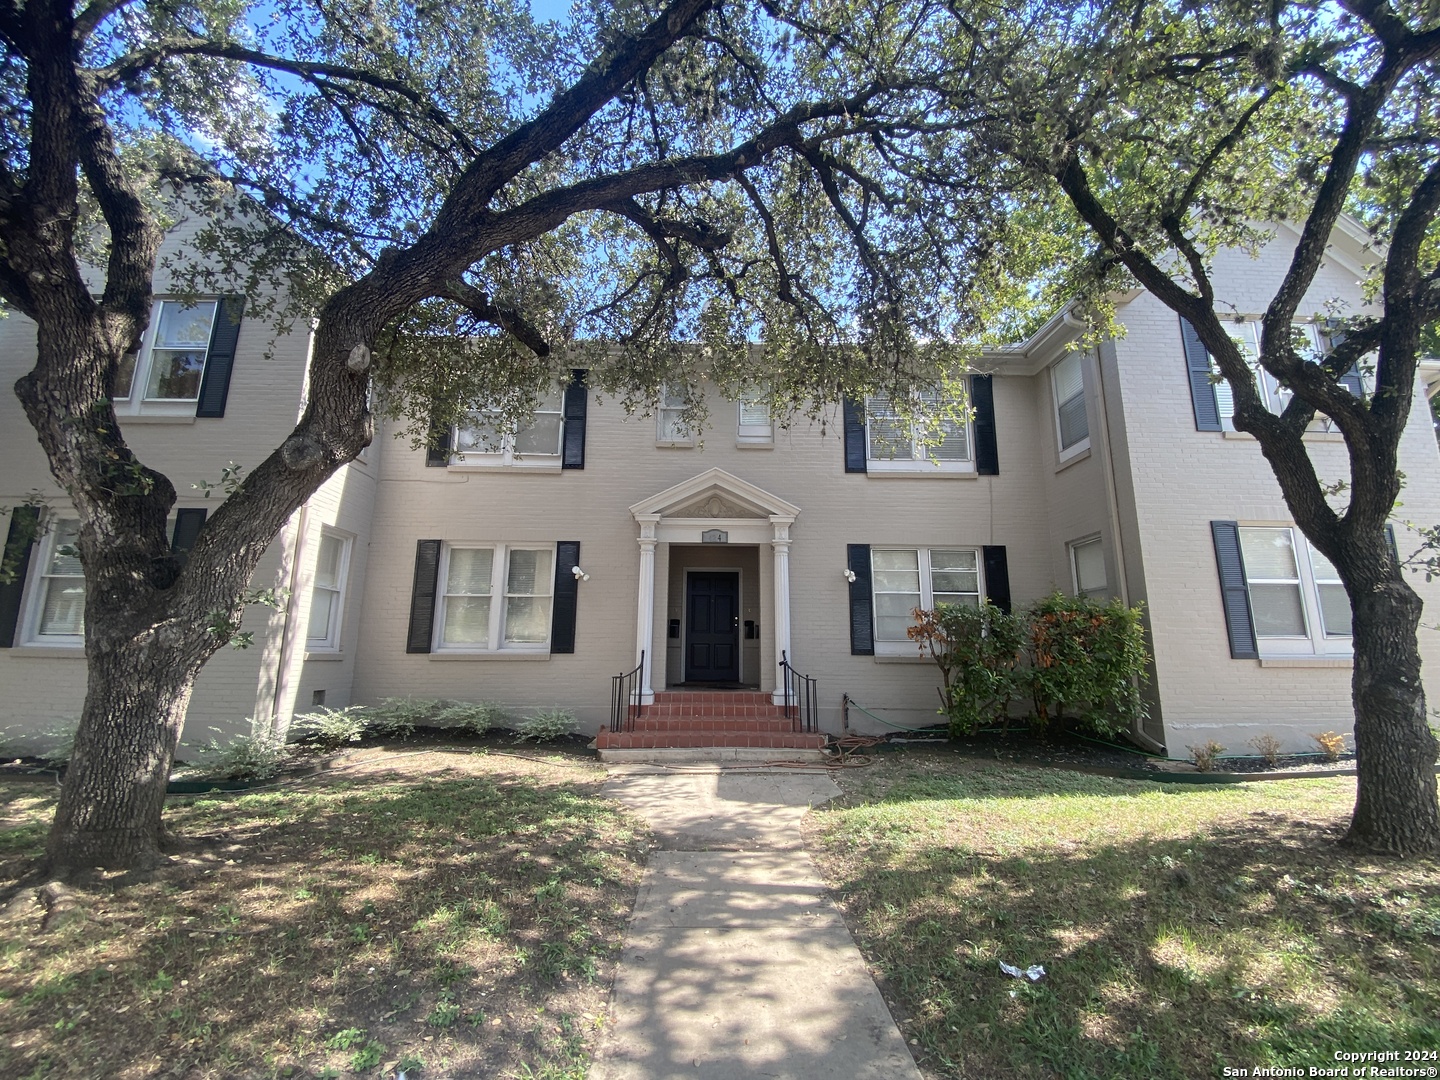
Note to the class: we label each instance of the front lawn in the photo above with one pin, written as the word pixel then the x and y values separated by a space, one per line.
pixel 446 914
pixel 1182 929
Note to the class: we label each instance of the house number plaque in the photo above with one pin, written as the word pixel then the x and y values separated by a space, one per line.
pixel 714 536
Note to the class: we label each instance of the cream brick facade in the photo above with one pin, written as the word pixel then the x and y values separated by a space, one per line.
pixel 1148 487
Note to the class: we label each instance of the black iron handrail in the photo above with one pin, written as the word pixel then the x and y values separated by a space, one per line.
pixel 625 697
pixel 802 696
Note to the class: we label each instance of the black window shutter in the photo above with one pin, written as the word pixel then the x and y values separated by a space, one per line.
pixel 24 525
pixel 577 398
pixel 997 576
pixel 1351 380
pixel 1390 540
pixel 220 360
pixel 862 601
pixel 422 596
pixel 1202 390
pixel 437 446
pixel 187 529
pixel 567 596
pixel 1234 597
pixel 987 452
pixel 854 414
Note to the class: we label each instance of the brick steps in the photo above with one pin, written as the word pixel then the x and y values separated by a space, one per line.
pixel 711 719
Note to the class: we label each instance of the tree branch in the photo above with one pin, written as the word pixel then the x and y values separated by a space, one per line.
pixel 510 320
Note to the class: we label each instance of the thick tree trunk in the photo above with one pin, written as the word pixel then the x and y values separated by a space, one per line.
pixel 1395 807
pixel 114 789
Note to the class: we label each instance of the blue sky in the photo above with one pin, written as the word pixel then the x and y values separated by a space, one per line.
pixel 545 10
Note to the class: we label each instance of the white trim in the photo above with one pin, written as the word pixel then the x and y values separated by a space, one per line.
pixel 36 588
pixel 1081 446
pixel 661 409
pixel 754 435
pixel 905 647
pixel 1071 548
pixel 920 463
pixel 505 456
pixel 1315 642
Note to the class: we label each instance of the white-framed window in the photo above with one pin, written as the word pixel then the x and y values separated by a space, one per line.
pixel 535 442
pixel 165 373
pixel 754 426
pixel 904 579
pixel 495 598
pixel 894 444
pixel 58 597
pixel 670 426
pixel 1072 425
pixel 1311 342
pixel 1087 563
pixel 327 593
pixel 1296 599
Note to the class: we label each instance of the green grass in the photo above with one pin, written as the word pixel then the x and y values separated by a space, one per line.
pixel 333 926
pixel 1182 929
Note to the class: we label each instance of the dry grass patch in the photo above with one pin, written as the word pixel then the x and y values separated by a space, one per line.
pixel 445 914
pixel 1182 929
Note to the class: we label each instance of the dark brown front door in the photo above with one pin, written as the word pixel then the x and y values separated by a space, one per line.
pixel 712 635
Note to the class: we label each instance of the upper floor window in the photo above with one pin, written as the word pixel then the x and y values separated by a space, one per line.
pixel 170 363
pixel 895 444
pixel 534 442
pixel 1311 343
pixel 496 598
pixel 328 591
pixel 671 428
pixel 1087 561
pixel 753 424
pixel 908 578
pixel 1296 598
pixel 1067 380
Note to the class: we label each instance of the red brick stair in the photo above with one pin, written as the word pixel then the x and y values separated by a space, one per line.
pixel 722 719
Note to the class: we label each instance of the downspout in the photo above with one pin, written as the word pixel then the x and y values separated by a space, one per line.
pixel 1112 501
pixel 289 615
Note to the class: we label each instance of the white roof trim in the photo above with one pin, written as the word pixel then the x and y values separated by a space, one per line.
pixel 720 482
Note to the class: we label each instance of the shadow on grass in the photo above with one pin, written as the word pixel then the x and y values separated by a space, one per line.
pixel 462 921
pixel 1241 942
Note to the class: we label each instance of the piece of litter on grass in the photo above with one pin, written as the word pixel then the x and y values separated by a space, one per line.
pixel 1034 972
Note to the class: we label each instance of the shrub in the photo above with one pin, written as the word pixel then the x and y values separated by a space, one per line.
pixel 332 728
pixel 474 718
pixel 246 757
pixel 544 725
pixel 1089 658
pixel 1331 744
pixel 977 650
pixel 1205 754
pixel 1268 747
pixel 59 745
pixel 397 718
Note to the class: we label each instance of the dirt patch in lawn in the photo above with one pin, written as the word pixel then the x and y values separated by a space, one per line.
pixel 1182 930
pixel 446 914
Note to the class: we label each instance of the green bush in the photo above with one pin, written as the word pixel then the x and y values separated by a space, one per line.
pixel 978 650
pixel 246 757
pixel 1087 658
pixel 1069 654
pixel 474 718
pixel 544 725
pixel 332 728
pixel 397 718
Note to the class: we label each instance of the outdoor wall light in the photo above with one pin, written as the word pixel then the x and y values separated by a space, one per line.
pixel 580 575
pixel 850 575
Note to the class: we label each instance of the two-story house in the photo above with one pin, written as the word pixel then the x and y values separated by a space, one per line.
pixel 529 569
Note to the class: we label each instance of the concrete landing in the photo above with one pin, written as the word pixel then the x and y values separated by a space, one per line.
pixel 735 964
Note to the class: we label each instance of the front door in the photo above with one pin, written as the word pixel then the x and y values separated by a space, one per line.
pixel 712 637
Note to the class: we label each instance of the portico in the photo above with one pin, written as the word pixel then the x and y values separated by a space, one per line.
pixel 715 511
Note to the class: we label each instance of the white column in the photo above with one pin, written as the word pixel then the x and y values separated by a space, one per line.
pixel 781 545
pixel 645 614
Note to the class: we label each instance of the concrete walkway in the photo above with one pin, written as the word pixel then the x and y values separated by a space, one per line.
pixel 735 966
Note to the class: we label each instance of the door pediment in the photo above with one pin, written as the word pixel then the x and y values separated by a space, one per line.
pixel 716 495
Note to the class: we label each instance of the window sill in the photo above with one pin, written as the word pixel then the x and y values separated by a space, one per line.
pixel 901 658
pixel 1307 661
pixel 674 445
pixel 755 444
pixel 155 418
pixel 927 472
pixel 498 467
pixel 1074 458
pixel 50 652
pixel 323 654
pixel 502 655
